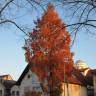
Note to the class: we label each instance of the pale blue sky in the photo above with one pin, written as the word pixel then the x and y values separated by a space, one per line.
pixel 12 60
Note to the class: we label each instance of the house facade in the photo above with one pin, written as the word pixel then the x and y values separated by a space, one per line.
pixel 74 90
pixel 28 81
pixel 6 82
pixel 2 89
pixel 82 82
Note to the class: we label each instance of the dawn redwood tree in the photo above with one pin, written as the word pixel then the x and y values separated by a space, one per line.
pixel 48 50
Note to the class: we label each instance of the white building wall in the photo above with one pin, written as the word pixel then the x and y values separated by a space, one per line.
pixel 2 88
pixel 73 90
pixel 30 82
pixel 15 88
pixel 94 83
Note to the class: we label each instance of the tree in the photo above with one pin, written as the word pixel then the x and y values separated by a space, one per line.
pixel 13 12
pixel 81 11
pixel 48 50
pixel 33 93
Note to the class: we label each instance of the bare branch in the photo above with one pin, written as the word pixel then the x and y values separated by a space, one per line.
pixel 67 2
pixel 36 2
pixel 9 21
pixel 3 8
pixel 89 13
pixel 83 23
pixel 83 11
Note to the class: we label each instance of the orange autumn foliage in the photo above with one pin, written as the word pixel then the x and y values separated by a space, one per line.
pixel 48 47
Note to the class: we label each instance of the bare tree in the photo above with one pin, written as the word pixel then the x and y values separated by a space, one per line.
pixel 14 11
pixel 80 13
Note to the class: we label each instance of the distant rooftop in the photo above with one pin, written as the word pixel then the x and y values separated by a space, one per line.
pixel 8 83
pixel 6 77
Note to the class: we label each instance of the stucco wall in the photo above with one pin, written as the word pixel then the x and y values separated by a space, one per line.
pixel 74 90
pixel 29 83
pixel 94 83
pixel 2 88
pixel 15 88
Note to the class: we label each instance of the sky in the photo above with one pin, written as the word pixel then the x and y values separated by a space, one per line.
pixel 12 59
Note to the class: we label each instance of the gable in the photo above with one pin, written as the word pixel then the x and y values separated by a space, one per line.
pixel 23 75
pixel 75 78
pixel 26 76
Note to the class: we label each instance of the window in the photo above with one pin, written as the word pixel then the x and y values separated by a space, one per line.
pixel 1 80
pixel 0 92
pixel 7 92
pixel 13 93
pixel 17 93
pixel 28 75
pixel 36 88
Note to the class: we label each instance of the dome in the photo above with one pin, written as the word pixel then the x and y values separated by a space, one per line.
pixel 81 65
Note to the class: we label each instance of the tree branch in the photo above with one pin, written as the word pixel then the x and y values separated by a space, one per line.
pixel 3 8
pixel 66 2
pixel 83 23
pixel 36 2
pixel 9 21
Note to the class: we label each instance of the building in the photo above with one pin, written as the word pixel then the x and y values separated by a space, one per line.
pixel 76 85
pixel 6 82
pixel 89 75
pixel 82 82
pixel 6 77
pixel 28 81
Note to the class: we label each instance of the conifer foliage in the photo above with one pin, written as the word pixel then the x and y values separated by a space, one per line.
pixel 48 48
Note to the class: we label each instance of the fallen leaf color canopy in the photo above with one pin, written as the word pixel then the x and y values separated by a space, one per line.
pixel 48 47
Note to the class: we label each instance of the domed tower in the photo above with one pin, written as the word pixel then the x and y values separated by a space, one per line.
pixel 81 66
